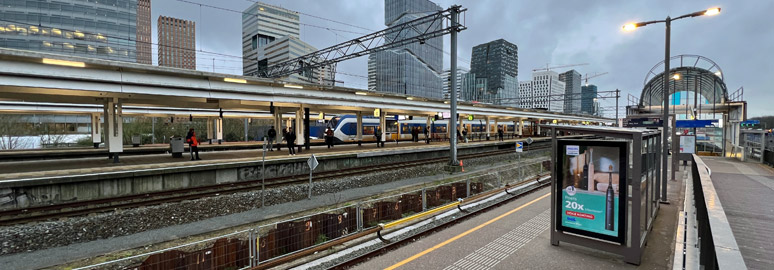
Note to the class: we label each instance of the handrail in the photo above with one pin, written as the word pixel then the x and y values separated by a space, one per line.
pixel 717 246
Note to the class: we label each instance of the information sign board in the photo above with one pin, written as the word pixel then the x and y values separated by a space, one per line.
pixel 592 184
pixel 519 147
pixel 687 144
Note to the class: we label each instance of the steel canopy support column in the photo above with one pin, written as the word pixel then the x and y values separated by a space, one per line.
pixel 277 125
pixel 427 126
pixel 359 132
pixel 521 127
pixel 299 127
pixel 382 126
pixel 114 134
pixel 96 133
pixel 246 129
pixel 488 128
pixel 306 129
pixel 219 129
pixel 209 130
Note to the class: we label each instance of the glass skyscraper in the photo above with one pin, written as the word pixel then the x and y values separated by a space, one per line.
pixel 572 91
pixel 104 29
pixel 497 62
pixel 414 69
pixel 588 94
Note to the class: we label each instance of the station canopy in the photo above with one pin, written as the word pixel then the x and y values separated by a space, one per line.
pixel 693 71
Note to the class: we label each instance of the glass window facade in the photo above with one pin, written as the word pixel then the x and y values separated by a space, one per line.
pixel 497 63
pixel 104 29
pixel 414 69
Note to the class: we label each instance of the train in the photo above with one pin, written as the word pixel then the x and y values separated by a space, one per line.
pixel 345 128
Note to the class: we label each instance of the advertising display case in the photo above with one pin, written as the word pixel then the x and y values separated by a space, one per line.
pixel 606 188
pixel 592 193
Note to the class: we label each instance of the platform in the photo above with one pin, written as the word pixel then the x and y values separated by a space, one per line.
pixel 746 191
pixel 64 167
pixel 516 236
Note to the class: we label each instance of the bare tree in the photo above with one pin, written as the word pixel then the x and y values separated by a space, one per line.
pixel 12 132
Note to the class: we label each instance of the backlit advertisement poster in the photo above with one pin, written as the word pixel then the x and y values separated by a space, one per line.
pixel 592 188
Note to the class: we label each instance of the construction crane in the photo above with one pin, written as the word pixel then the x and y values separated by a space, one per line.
pixel 547 68
pixel 587 77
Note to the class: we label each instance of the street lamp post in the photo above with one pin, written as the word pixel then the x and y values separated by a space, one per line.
pixel 665 106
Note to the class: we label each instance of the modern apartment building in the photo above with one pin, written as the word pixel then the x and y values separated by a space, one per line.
pixel 261 25
pixel 413 69
pixel 97 29
pixel 588 99
pixel 290 47
pixel 572 91
pixel 144 51
pixel 177 42
pixel 497 61
pixel 543 91
pixel 445 76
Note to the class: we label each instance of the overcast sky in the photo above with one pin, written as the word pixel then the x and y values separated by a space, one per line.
pixel 740 40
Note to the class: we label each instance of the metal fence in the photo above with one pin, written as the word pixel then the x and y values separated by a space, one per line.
pixel 704 238
pixel 280 240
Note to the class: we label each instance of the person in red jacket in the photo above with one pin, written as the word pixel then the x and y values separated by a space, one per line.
pixel 193 143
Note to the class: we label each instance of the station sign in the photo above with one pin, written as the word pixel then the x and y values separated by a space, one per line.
pixel 653 122
pixel 750 123
pixel 519 147
pixel 377 112
pixel 591 181
pixel 470 118
pixel 696 123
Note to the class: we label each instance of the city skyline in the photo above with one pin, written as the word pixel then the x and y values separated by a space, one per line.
pixel 571 33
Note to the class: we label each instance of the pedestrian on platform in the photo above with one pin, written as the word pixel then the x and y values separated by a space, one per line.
pixel 500 132
pixel 465 135
pixel 427 136
pixel 193 144
pixel 459 135
pixel 415 134
pixel 272 135
pixel 329 137
pixel 378 136
pixel 291 139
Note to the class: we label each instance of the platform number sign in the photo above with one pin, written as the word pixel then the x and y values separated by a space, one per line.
pixel 519 147
pixel 470 118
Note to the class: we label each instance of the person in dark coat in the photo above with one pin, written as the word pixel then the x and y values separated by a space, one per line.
pixel 414 134
pixel 291 139
pixel 329 137
pixel 427 135
pixel 465 135
pixel 193 144
pixel 500 133
pixel 378 136
pixel 272 135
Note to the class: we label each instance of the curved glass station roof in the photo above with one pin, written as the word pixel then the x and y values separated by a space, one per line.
pixel 696 73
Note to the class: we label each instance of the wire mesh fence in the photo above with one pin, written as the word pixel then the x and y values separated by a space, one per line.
pixel 276 240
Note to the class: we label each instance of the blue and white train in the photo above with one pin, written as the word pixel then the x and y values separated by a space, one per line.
pixel 346 128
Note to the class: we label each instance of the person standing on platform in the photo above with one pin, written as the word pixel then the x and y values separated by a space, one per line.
pixel 291 138
pixel 272 135
pixel 329 137
pixel 465 135
pixel 427 136
pixel 500 132
pixel 414 134
pixel 193 144
pixel 378 136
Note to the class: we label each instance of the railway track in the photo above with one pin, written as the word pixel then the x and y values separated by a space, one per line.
pixel 80 208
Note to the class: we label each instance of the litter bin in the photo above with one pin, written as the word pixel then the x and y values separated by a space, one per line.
pixel 136 140
pixel 177 146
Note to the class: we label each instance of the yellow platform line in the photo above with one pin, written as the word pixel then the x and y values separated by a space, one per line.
pixel 399 264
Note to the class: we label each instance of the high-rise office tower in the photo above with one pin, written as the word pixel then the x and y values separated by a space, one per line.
pixel 271 35
pixel 572 91
pixel 144 51
pixel 588 96
pixel 546 88
pixel 446 78
pixel 525 95
pixel 262 24
pixel 177 42
pixel 497 61
pixel 97 29
pixel 413 69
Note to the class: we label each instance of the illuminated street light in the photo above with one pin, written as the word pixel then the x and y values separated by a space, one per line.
pixel 665 107
pixel 676 77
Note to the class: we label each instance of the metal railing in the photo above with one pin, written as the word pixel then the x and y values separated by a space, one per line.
pixel 704 239
pixel 280 242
